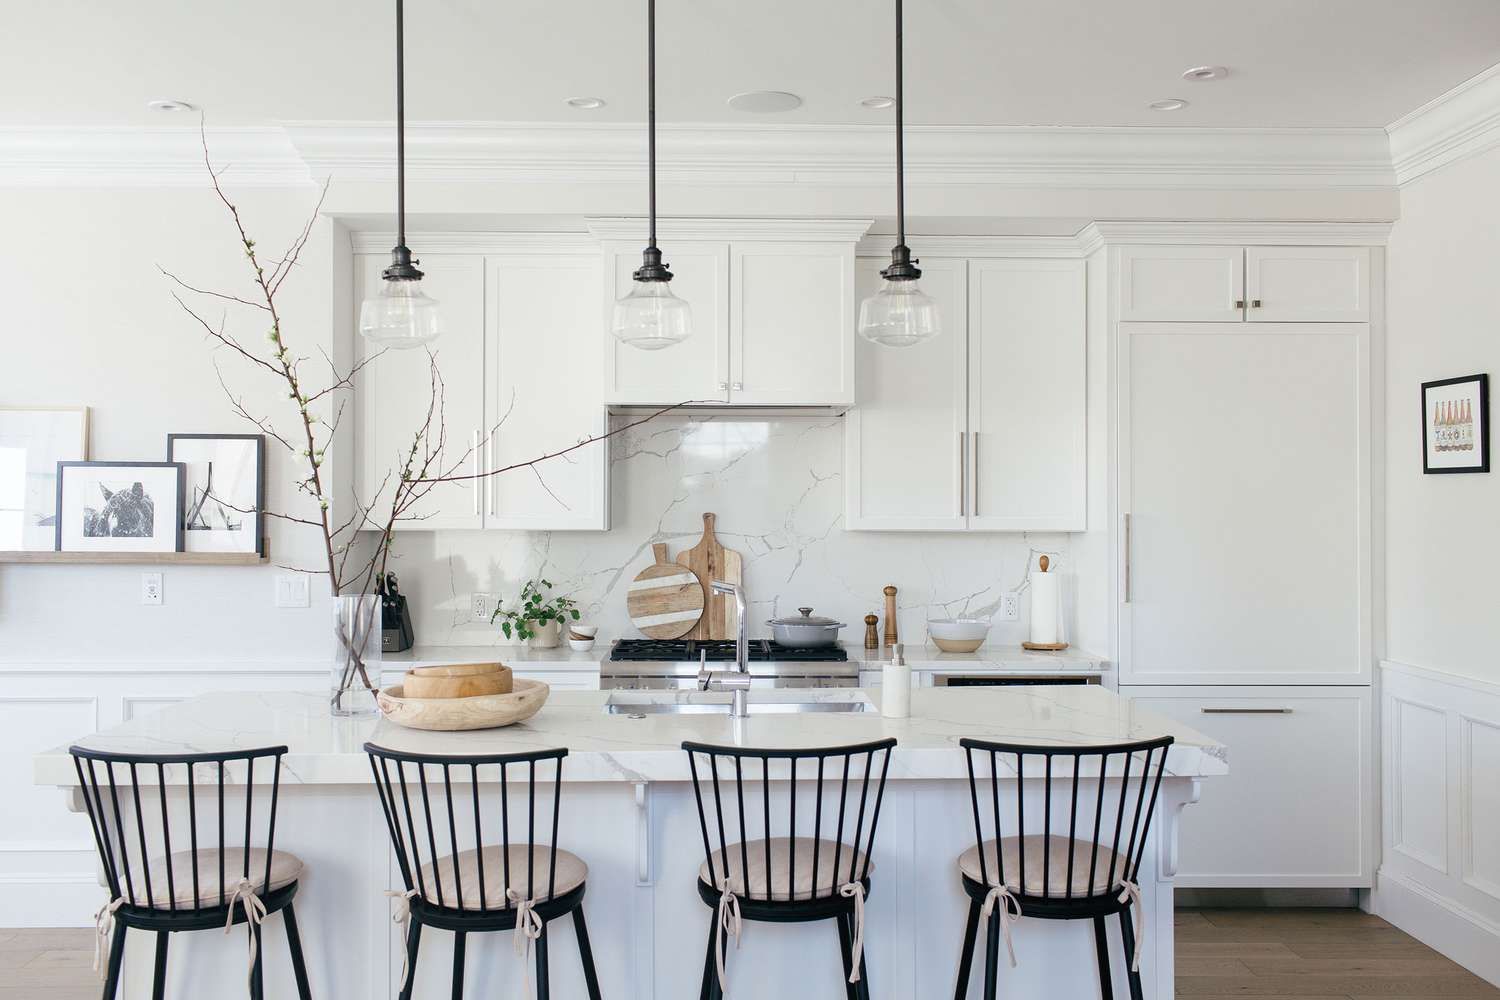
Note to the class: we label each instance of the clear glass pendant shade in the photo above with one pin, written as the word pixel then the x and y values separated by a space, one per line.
pixel 400 315
pixel 899 315
pixel 651 317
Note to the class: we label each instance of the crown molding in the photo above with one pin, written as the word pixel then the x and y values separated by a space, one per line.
pixel 1021 156
pixel 879 246
pixel 425 242
pixel 147 157
pixel 1120 233
pixel 633 230
pixel 1459 124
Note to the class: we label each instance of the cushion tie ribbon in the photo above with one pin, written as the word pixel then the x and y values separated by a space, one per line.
pixel 1130 892
pixel 856 891
pixel 104 928
pixel 727 922
pixel 528 929
pixel 1010 911
pixel 254 909
pixel 400 913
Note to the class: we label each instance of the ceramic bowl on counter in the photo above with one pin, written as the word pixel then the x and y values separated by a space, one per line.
pixel 957 635
pixel 581 637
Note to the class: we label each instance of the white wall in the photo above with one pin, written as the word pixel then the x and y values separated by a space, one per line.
pixel 1442 532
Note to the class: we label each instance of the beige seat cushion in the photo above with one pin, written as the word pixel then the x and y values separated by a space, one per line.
pixel 782 856
pixel 285 869
pixel 1056 867
pixel 571 873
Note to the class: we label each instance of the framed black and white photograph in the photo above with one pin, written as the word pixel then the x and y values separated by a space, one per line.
pixel 33 439
pixel 225 490
pixel 120 506
pixel 1456 425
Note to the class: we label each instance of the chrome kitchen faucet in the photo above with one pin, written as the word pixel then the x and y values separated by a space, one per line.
pixel 736 681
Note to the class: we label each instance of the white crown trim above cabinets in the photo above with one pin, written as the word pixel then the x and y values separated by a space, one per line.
pixel 368 241
pixel 1451 127
pixel 722 229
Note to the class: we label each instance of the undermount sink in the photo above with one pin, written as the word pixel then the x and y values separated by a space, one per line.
pixel 643 704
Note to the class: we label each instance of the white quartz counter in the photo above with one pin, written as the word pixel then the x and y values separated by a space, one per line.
pixel 518 657
pixel 622 747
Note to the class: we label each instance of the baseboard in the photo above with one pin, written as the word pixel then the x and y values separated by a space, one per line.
pixel 1469 938
pixel 50 899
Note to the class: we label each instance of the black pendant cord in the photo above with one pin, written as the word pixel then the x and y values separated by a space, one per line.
pixel 402 266
pixel 902 267
pixel 651 269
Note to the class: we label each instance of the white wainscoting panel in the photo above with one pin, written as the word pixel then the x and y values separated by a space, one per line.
pixel 1439 879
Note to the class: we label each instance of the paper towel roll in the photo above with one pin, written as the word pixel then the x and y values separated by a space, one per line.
pixel 1046 603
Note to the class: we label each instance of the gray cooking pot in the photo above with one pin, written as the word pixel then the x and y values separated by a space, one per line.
pixel 805 629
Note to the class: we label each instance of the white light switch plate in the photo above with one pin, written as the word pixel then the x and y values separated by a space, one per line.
pixel 1010 607
pixel 292 590
pixel 151 591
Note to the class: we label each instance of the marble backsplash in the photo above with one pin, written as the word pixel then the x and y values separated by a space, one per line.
pixel 776 484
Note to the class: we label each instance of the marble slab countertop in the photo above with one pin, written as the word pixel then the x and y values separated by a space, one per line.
pixel 622 747
pixel 561 657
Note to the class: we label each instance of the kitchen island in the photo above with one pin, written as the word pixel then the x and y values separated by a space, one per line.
pixel 628 811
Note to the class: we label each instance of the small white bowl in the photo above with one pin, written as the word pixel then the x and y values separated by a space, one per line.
pixel 590 631
pixel 958 635
pixel 581 644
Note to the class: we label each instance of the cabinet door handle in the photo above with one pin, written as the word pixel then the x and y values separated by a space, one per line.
pixel 963 475
pixel 490 487
pixel 738 387
pixel 475 463
pixel 1255 303
pixel 1246 711
pixel 1239 303
pixel 976 473
pixel 723 386
pixel 1127 558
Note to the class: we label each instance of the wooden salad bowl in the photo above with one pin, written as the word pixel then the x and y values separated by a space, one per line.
pixel 485 711
pixel 458 680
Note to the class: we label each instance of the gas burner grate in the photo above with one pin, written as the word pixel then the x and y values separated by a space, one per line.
pixel 720 651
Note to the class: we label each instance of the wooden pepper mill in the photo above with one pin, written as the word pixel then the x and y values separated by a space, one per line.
pixel 872 634
pixel 890 616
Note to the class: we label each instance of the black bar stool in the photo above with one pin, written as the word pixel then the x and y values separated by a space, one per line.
pixel 1036 870
pixel 779 876
pixel 516 885
pixel 221 879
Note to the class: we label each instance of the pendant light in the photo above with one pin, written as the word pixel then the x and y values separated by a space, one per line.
pixel 400 314
pixel 900 314
pixel 651 317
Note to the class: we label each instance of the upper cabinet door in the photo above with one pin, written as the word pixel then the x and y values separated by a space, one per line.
pixel 904 441
pixel 791 323
pixel 395 390
pixel 546 373
pixel 696 369
pixel 1182 284
pixel 1308 284
pixel 1027 412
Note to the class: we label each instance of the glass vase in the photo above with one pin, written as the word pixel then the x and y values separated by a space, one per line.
pixel 355 673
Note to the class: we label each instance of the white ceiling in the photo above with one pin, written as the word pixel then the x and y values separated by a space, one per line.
pixel 969 62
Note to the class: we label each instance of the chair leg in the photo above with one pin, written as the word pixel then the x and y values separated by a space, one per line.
pixel 992 957
pixel 851 992
pixel 1127 938
pixel 1101 948
pixel 413 940
pixel 257 967
pixel 586 953
pixel 543 988
pixel 294 943
pixel 966 956
pixel 159 977
pixel 710 973
pixel 116 956
pixel 459 938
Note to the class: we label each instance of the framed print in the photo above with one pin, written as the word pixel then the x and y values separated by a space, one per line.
pixel 119 506
pixel 32 441
pixel 225 490
pixel 1456 425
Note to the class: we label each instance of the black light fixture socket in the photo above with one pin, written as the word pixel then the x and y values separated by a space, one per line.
pixel 652 269
pixel 402 265
pixel 902 267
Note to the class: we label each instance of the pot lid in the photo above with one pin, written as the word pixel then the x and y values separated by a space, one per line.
pixel 806 617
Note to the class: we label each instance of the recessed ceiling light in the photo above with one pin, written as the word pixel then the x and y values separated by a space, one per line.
pixel 170 106
pixel 585 103
pixel 1170 104
pixel 765 101
pixel 1200 73
pixel 877 103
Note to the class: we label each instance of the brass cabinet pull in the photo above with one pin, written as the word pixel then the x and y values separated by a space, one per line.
pixel 1239 303
pixel 1255 303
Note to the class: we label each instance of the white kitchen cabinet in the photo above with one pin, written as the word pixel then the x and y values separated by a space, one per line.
pixel 1296 808
pixel 791 323
pixel 545 377
pixel 983 427
pixel 1243 467
pixel 696 369
pixel 1027 411
pixel 1307 284
pixel 905 442
pixel 1193 284
pixel 394 390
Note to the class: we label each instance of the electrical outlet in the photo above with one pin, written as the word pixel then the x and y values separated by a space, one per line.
pixel 292 590
pixel 480 606
pixel 1010 607
pixel 151 588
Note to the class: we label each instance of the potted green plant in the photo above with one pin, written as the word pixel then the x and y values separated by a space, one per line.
pixel 539 618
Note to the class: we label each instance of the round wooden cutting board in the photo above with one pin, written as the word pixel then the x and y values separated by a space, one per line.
pixel 665 601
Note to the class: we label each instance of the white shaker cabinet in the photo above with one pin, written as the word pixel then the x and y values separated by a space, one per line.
pixel 1244 492
pixel 906 441
pixel 1307 284
pixel 1296 808
pixel 393 392
pixel 1185 284
pixel 1258 284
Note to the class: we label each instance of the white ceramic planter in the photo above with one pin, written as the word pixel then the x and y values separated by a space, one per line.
pixel 544 636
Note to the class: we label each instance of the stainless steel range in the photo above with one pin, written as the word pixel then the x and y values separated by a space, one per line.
pixel 664 664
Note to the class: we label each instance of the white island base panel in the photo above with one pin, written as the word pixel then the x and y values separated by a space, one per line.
pixel 638 831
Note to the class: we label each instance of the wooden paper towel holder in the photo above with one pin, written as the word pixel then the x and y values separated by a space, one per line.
pixel 1044 647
